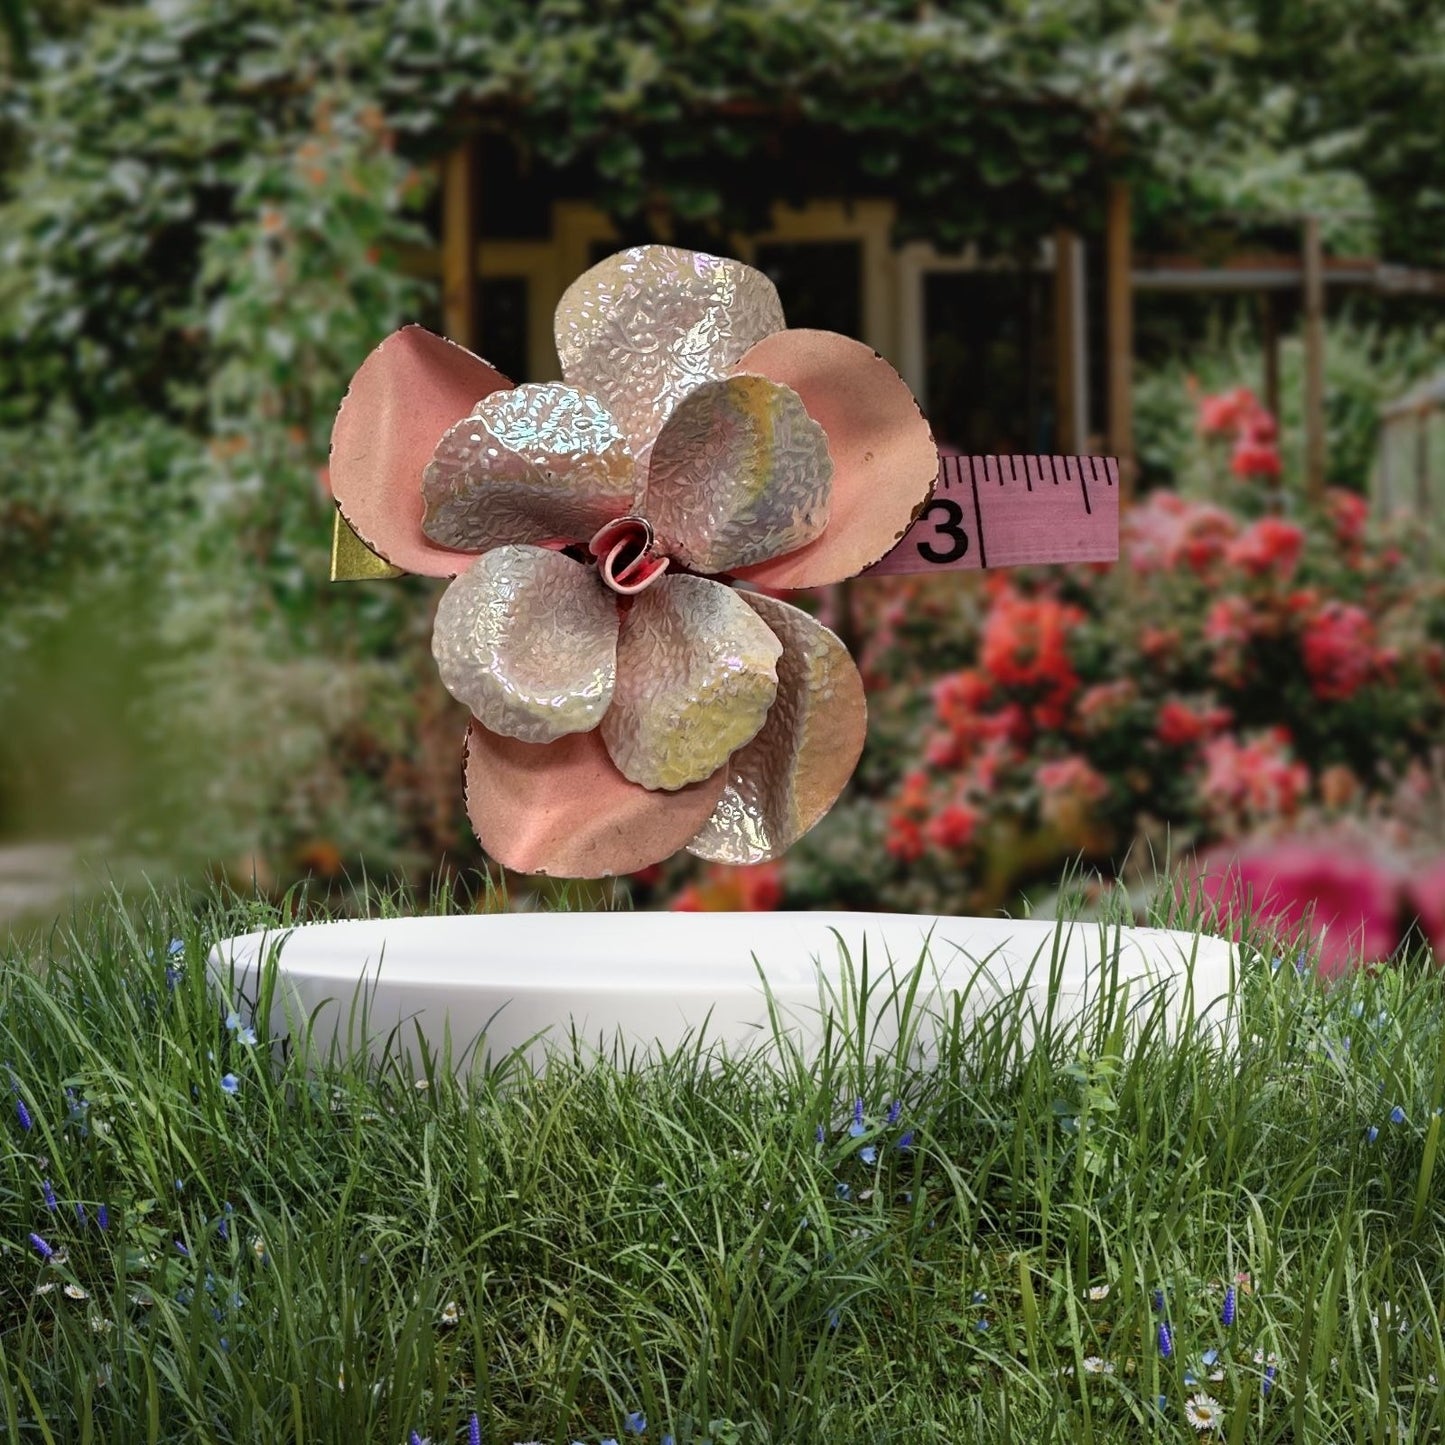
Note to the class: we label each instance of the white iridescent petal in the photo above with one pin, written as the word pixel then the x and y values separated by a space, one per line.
pixel 644 327
pixel 739 474
pixel 538 463
pixel 527 638
pixel 696 675
pixel 791 773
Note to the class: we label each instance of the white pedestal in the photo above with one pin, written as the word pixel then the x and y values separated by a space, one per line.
pixel 636 982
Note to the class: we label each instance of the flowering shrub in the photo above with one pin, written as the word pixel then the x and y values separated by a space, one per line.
pixel 1240 674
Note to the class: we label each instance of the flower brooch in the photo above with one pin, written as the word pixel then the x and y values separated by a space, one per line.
pixel 626 699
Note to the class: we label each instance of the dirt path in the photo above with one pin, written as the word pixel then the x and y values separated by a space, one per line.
pixel 35 879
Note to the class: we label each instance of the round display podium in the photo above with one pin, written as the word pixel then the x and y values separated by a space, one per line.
pixel 480 986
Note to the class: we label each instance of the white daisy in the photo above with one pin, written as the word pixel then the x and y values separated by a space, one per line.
pixel 1097 1365
pixel 451 1312
pixel 1203 1412
pixel 74 1291
pixel 1098 1292
pixel 46 1287
pixel 99 1325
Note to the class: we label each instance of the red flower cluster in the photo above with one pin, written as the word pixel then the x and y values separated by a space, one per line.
pixel 1269 548
pixel 1024 648
pixel 1180 726
pixel 726 889
pixel 1339 651
pixel 1255 781
pixel 1240 414
pixel 1166 531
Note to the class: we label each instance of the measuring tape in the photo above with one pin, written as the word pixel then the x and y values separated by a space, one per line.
pixel 1012 512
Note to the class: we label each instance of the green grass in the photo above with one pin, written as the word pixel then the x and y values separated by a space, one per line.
pixel 672 1238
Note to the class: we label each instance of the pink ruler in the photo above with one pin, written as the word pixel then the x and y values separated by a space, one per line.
pixel 1012 512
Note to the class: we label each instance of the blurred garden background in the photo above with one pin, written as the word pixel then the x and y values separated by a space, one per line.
pixel 1203 237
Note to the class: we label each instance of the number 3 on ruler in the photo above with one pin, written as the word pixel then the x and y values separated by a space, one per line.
pixel 951 527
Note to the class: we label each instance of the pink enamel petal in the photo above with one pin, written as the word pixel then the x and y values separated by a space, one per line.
pixel 788 777
pixel 563 809
pixel 696 675
pixel 885 461
pixel 643 327
pixel 540 462
pixel 527 638
pixel 407 393
pixel 739 473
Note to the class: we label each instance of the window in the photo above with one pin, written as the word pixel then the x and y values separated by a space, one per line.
pixel 820 282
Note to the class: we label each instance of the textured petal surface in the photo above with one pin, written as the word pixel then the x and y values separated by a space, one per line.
pixel 696 674
pixel 407 393
pixel 645 326
pixel 540 462
pixel 562 808
pixel 885 461
pixel 739 473
pixel 527 638
pixel 788 777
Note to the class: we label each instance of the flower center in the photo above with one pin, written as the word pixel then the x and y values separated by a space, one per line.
pixel 627 558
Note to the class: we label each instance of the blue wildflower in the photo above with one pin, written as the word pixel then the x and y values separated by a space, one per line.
pixel 49 1193
pixel 102 1218
pixel 1268 1383
pixel 230 1083
pixel 856 1127
pixel 979 1297
pixel 181 1249
pixel 1397 1115
pixel 80 1214
pixel 635 1423
pixel 233 1021
pixel 1158 1301
pixel 1371 1134
pixel 23 1114
pixel 180 1185
pixel 1210 1357
pixel 1227 1313
pixel 247 1036
pixel 474 1430
pixel 841 1190
pixel 1162 1402
pixel 175 946
pixel 1190 1379
pixel 40 1247
pixel 413 1438
pixel 818 1134
pixel 894 1110
pixel 1166 1341
pixel 667 1440
pixel 906 1142
pixel 868 1154
pixel 834 1319
pixel 981 1326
